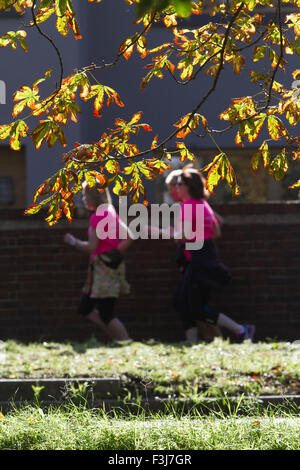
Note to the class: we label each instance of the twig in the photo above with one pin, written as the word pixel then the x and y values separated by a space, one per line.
pixel 280 55
pixel 52 43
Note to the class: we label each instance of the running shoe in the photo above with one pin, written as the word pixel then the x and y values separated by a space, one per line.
pixel 248 333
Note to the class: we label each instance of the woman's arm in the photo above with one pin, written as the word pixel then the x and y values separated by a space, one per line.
pixel 220 219
pixel 125 243
pixel 88 246
pixel 217 230
pixel 182 233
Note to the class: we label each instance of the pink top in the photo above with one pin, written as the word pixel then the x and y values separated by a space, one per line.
pixel 107 231
pixel 189 213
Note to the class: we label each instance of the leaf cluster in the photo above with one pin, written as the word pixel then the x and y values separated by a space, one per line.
pixel 232 28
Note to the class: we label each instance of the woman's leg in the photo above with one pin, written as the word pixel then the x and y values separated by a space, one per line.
pixel 242 332
pixel 208 332
pixel 191 335
pixel 218 320
pixel 116 330
pixel 94 317
pixel 107 320
pixel 231 325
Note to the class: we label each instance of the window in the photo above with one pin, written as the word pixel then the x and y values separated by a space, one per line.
pixel 12 178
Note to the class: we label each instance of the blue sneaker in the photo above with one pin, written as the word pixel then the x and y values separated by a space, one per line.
pixel 248 333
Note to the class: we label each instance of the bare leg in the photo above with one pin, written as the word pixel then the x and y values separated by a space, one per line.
pixel 191 335
pixel 215 331
pixel 115 329
pixel 208 332
pixel 226 322
pixel 95 318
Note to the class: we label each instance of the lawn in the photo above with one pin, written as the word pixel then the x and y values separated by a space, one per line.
pixel 80 429
pixel 164 370
pixel 156 370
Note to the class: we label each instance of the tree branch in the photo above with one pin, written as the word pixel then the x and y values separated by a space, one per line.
pixel 281 55
pixel 52 43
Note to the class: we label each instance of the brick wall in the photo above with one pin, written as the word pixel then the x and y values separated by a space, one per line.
pixel 41 277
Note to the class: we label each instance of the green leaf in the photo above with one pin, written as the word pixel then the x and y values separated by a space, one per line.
pixel 264 153
pixel 183 7
pixel 11 38
pixel 60 7
pixel 18 129
pixel 40 133
pixel 259 53
pixel 279 166
pixel 112 166
pixel 221 169
pixel 50 131
pixel 273 127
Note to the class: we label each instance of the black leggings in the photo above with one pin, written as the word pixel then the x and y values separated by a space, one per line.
pixel 198 309
pixel 203 275
pixel 104 306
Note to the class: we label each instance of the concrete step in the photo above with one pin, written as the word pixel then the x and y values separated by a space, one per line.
pixel 58 389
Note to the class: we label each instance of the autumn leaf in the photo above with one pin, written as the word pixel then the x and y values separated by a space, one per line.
pixel 112 166
pixel 45 10
pixel 35 208
pixel 127 46
pixel 136 118
pixel 5 131
pixel 54 212
pixel 279 166
pixel 220 169
pixel 62 25
pixel 184 152
pixel 262 153
pixel 186 124
pixel 42 189
pixel 295 186
pixel 18 129
pixel 185 52
pixel 250 127
pixel 68 208
pixel 26 97
pixel 49 131
pixel 276 128
pixel 12 38
pixel 259 53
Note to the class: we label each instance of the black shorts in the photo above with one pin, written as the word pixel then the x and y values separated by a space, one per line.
pixel 196 307
pixel 105 307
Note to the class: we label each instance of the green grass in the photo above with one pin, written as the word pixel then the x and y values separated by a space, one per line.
pixel 148 370
pixel 80 429
pixel 164 370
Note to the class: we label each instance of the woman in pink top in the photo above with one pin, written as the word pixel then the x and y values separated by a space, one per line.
pixel 106 273
pixel 206 331
pixel 204 271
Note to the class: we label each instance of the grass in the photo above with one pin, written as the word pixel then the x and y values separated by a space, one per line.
pixel 164 370
pixel 152 369
pixel 75 428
